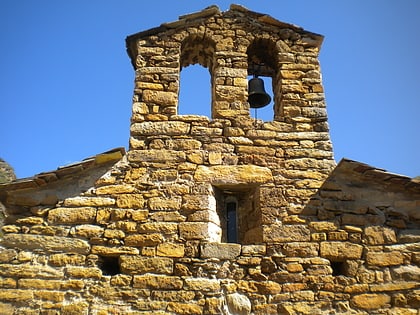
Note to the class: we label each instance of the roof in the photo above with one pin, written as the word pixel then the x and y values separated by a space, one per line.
pixel 63 172
pixel 192 18
pixel 366 172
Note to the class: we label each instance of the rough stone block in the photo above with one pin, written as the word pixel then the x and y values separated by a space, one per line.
pixel 133 264
pixel 45 243
pixel 160 282
pixel 378 235
pixel 370 301
pixel 158 227
pixel 301 249
pixel 184 308
pixel 155 128
pixel 198 202
pixel 114 189
pixel 200 231
pixel 141 240
pixel 159 203
pixel 202 284
pixel 233 174
pixel 220 250
pixel 88 201
pixel 277 233
pixel 163 156
pixel 384 258
pixel 133 201
pixel 340 251
pixel 113 251
pixel 72 215
pixel 30 271
pixel 170 250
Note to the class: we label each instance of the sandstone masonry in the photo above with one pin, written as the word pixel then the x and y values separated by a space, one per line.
pixel 216 215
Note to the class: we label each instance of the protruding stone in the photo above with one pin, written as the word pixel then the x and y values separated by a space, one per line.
pixel 238 304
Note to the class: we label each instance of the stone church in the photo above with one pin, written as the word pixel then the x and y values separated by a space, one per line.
pixel 225 214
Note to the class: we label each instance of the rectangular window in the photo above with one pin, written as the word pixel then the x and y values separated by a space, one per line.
pixel 239 213
pixel 232 227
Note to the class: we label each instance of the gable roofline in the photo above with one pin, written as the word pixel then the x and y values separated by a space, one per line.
pixel 191 18
pixel 63 172
pixel 367 172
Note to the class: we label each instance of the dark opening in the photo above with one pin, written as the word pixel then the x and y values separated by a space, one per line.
pixel 110 266
pixel 338 268
pixel 232 228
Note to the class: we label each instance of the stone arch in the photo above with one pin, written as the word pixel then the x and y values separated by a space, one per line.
pixel 198 49
pixel 263 61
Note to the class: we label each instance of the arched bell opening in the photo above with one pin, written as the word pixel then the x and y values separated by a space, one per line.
pixel 197 55
pixel 263 79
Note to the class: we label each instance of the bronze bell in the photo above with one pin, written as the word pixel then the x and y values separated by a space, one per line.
pixel 257 97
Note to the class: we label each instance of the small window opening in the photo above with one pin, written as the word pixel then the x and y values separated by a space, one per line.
pixel 110 266
pixel 338 268
pixel 195 91
pixel 232 227
pixel 240 215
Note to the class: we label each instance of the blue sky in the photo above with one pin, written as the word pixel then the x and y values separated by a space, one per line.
pixel 66 81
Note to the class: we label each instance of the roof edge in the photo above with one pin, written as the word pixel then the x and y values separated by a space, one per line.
pixel 44 178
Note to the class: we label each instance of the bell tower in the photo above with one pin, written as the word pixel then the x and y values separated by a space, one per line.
pixel 234 165
pixel 224 214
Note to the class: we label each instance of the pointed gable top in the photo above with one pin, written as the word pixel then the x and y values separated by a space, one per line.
pixel 235 11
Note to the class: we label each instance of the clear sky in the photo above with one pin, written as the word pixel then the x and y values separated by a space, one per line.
pixel 66 81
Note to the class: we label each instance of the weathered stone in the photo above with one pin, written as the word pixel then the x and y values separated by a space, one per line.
pixel 377 235
pixel 67 259
pixel 87 231
pixel 159 97
pixel 171 128
pixel 301 249
pixel 170 250
pixel 340 251
pixel 409 236
pixel 323 226
pixel 83 272
pixel 158 227
pixel 233 174
pixel 160 282
pixel 238 304
pixel 134 264
pixel 384 258
pixel 406 273
pixel 370 301
pixel 133 201
pixel 72 215
pixel 30 220
pixel 164 156
pixel 89 201
pixel 30 271
pixel 207 231
pixel 113 251
pixel 220 250
pixel 184 309
pixel 45 243
pixel 253 250
pixel 158 203
pixel 202 284
pixel 286 233
pixel 140 240
pixel 16 296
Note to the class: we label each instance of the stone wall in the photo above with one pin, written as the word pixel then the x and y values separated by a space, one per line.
pixel 153 234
